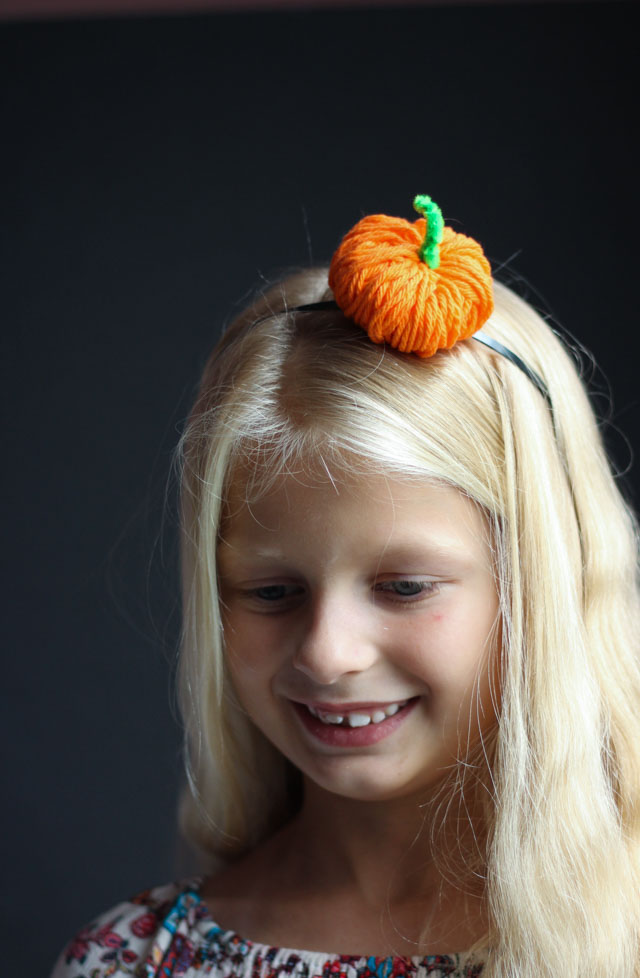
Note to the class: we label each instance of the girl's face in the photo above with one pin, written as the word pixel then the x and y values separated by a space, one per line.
pixel 358 619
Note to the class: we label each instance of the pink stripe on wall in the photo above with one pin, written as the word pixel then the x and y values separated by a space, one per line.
pixel 46 9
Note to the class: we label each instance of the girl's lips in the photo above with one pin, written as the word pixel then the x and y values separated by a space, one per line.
pixel 336 735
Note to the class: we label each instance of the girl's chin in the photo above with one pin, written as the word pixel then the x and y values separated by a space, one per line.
pixel 360 787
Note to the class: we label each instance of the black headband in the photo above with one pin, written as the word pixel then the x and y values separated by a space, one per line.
pixel 497 347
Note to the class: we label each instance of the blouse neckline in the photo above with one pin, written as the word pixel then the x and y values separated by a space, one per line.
pixel 233 941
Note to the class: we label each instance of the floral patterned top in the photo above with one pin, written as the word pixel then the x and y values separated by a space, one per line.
pixel 168 932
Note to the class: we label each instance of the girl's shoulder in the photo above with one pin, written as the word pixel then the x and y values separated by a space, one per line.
pixel 135 937
pixel 168 932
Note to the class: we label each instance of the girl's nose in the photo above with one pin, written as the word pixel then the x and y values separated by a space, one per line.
pixel 336 639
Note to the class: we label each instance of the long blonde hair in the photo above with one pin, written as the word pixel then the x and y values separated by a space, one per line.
pixel 560 774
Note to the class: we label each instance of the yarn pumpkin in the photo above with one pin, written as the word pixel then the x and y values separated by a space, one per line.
pixel 414 290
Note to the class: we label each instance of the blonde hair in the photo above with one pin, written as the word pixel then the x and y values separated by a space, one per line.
pixel 559 776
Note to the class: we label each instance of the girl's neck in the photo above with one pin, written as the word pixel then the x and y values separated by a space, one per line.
pixel 350 877
pixel 366 847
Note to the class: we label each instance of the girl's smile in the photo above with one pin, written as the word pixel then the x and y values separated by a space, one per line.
pixel 353 725
pixel 358 621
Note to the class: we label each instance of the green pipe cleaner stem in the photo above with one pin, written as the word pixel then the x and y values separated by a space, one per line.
pixel 430 248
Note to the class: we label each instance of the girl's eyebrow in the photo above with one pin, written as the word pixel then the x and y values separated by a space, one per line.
pixel 439 552
pixel 245 550
pixel 435 545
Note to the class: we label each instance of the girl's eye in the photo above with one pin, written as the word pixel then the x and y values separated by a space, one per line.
pixel 407 590
pixel 275 593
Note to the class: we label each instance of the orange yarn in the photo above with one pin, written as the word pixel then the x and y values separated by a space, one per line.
pixel 379 280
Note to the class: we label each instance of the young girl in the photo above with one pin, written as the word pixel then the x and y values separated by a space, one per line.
pixel 409 671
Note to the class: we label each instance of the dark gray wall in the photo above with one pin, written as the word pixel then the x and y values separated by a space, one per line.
pixel 152 172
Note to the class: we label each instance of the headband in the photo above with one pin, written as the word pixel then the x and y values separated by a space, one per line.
pixel 418 287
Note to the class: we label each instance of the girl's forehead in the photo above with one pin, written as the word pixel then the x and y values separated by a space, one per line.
pixel 253 478
pixel 253 487
pixel 384 508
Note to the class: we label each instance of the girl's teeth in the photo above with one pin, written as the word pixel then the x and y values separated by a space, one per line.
pixel 357 719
